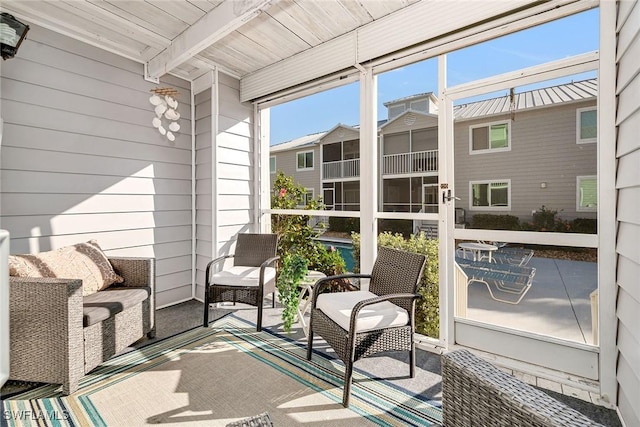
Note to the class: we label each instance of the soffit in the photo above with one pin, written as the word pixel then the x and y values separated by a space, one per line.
pixel 268 31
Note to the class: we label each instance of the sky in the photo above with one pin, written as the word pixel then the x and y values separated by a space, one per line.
pixel 559 39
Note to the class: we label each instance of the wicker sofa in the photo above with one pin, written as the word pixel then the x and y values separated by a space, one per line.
pixel 476 393
pixel 57 335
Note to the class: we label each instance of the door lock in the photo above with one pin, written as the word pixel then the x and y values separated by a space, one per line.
pixel 447 197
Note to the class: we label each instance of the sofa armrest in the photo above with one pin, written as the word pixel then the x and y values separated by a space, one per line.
pixel 45 330
pixel 135 271
pixel 138 272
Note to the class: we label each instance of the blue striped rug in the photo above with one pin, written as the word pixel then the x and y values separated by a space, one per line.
pixel 162 382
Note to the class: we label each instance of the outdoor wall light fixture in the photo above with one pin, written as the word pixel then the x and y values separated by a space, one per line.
pixel 166 107
pixel 12 32
pixel 543 185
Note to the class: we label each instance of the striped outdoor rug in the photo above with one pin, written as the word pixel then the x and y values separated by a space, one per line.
pixel 217 375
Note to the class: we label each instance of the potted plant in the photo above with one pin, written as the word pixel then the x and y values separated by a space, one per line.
pixel 294 269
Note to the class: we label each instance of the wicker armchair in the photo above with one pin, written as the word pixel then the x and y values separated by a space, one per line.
pixel 359 323
pixel 49 341
pixel 252 275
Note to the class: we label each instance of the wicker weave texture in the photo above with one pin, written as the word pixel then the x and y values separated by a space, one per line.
pixel 45 330
pixel 254 249
pixel 47 340
pixel 366 343
pixel 261 420
pixel 476 393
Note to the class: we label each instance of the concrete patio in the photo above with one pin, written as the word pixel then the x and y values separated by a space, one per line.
pixel 557 305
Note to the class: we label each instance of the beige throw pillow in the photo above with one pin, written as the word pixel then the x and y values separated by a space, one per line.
pixel 84 261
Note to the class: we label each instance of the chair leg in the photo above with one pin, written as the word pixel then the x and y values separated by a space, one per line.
pixel 205 322
pixel 259 322
pixel 348 375
pixel 412 361
pixel 310 341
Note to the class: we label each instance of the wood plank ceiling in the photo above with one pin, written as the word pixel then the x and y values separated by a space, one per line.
pixel 189 37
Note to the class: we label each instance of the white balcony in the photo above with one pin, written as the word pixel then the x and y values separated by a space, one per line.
pixel 407 163
pixel 392 164
pixel 341 169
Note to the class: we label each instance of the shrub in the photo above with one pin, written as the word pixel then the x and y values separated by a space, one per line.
pixel 327 260
pixel 495 222
pixel 346 225
pixel 427 307
pixel 546 219
pixel 584 225
pixel 396 226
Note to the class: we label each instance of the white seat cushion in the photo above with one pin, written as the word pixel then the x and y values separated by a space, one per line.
pixel 338 306
pixel 242 276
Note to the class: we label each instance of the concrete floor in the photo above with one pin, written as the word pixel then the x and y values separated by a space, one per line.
pixel 557 305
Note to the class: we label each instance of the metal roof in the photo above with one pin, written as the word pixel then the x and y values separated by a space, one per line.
pixel 303 141
pixel 537 98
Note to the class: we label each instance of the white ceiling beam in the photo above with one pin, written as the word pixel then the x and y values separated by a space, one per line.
pixel 213 26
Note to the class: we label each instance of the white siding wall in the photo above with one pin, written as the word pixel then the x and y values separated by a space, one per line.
pixel 232 163
pixel 628 185
pixel 80 159
pixel 236 165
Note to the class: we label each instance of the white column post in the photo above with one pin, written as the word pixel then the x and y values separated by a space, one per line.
pixel 607 202
pixel 445 218
pixel 368 170
pixel 262 184
pixel 214 164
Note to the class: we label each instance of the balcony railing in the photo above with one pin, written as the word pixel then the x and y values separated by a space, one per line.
pixel 404 163
pixel 392 164
pixel 341 169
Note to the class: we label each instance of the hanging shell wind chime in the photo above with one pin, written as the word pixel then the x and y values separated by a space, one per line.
pixel 166 107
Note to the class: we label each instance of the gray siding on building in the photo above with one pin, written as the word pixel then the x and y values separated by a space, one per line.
pixel 286 161
pixel 410 120
pixel 628 185
pixel 543 149
pixel 81 160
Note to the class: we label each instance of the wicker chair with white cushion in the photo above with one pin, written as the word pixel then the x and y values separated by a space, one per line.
pixel 252 276
pixel 359 323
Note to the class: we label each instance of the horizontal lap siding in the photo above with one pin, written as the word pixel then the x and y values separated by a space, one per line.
pixel 543 149
pixel 286 162
pixel 628 185
pixel 236 165
pixel 81 161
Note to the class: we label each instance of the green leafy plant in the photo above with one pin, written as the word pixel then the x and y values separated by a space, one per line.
pixel 293 231
pixel 294 268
